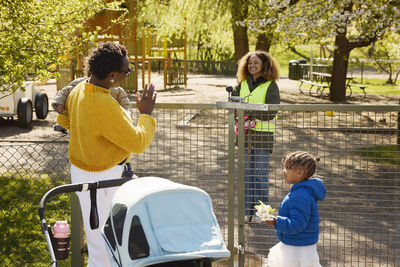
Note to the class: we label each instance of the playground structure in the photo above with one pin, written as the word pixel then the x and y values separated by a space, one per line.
pixel 144 46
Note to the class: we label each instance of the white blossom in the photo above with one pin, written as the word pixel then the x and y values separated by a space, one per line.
pixel 264 212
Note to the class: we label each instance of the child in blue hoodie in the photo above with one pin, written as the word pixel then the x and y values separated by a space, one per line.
pixel 297 223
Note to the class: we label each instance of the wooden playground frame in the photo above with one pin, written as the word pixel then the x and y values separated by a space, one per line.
pixel 143 46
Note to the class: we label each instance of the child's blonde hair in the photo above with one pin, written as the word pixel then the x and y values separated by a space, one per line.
pixel 300 160
pixel 270 67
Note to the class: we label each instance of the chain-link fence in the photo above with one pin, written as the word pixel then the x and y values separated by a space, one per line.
pixel 360 218
pixel 39 159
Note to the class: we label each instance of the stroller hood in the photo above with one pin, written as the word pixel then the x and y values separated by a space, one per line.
pixel 154 220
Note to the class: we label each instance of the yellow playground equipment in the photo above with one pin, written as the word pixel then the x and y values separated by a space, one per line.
pixel 145 49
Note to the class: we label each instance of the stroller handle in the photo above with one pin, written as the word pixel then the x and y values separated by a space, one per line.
pixel 69 188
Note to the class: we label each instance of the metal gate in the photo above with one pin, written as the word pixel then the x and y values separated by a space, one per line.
pixel 360 159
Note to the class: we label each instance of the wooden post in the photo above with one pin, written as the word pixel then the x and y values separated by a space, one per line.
pixel 143 55
pixel 362 71
pixel 135 43
pixel 185 59
pixel 148 55
pixel 165 61
pixel 398 130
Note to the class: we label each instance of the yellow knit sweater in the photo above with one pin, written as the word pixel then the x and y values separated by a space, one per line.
pixel 101 132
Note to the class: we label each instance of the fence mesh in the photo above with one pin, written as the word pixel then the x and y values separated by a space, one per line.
pixel 190 147
pixel 360 218
pixel 359 165
pixel 39 159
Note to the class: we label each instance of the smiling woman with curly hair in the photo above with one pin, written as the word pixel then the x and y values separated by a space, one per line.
pixel 257 75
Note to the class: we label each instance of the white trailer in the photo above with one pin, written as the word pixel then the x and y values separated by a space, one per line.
pixel 23 103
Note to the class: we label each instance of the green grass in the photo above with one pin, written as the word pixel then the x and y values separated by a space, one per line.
pixel 377 87
pixel 387 154
pixel 22 242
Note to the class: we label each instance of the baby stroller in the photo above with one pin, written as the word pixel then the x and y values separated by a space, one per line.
pixel 156 222
pixel 153 222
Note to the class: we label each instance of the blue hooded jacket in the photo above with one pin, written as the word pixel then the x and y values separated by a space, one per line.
pixel 297 223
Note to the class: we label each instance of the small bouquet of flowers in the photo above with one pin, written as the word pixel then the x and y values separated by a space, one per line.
pixel 264 212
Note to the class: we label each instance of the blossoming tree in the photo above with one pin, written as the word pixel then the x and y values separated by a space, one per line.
pixel 349 23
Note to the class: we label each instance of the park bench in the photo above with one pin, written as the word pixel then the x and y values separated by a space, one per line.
pixel 320 87
pixel 323 80
pixel 362 87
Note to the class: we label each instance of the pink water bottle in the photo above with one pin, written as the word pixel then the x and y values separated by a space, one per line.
pixel 61 229
pixel 61 239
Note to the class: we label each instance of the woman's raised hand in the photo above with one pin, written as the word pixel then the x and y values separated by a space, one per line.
pixel 146 100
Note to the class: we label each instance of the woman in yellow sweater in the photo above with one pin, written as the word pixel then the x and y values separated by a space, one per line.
pixel 102 135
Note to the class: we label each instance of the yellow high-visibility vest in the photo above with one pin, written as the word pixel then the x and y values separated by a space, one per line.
pixel 258 97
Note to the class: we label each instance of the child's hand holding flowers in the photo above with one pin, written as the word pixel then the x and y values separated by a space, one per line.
pixel 264 212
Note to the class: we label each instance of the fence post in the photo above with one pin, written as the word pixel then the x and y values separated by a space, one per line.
pixel 231 186
pixel 77 258
pixel 241 197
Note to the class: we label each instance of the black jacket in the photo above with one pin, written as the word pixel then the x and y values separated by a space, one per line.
pixel 255 139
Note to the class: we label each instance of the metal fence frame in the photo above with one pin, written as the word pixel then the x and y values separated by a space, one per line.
pixel 216 123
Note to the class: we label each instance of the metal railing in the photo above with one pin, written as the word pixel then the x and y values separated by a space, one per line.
pixel 194 144
pixel 228 68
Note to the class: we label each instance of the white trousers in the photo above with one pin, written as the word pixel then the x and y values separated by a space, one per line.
pixel 98 256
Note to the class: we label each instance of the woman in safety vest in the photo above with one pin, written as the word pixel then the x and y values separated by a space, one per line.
pixel 257 75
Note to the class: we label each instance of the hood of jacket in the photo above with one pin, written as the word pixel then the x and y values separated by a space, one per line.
pixel 314 185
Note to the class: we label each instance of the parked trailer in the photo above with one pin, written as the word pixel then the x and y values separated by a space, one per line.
pixel 22 104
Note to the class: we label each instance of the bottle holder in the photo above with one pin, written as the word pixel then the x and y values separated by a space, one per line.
pixel 60 246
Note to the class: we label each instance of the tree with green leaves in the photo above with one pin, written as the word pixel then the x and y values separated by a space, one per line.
pixel 206 24
pixel 385 54
pixel 37 33
pixel 349 24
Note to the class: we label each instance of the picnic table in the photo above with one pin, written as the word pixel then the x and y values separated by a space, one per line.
pixel 322 80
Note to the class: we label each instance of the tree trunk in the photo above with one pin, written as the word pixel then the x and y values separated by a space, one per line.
pixel 339 69
pixel 264 41
pixel 389 80
pixel 240 40
pixel 239 10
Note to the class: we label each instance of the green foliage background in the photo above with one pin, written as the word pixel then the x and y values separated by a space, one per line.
pixel 37 33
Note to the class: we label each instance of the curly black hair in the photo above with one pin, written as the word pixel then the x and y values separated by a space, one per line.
pixel 301 159
pixel 270 66
pixel 105 58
